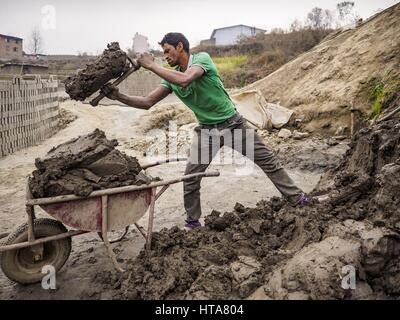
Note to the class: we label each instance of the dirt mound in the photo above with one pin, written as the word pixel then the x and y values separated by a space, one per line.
pixel 357 66
pixel 367 181
pixel 83 165
pixel 288 252
pixel 108 66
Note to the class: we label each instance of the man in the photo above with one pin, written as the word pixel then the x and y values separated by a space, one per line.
pixel 195 81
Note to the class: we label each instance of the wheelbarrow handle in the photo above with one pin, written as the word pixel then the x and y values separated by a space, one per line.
pixel 212 174
pixel 199 175
pixel 97 193
pixel 95 101
pixel 169 160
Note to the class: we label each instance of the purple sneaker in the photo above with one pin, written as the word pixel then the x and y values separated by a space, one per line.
pixel 192 224
pixel 304 200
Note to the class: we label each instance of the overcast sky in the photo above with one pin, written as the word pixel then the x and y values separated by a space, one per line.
pixel 73 26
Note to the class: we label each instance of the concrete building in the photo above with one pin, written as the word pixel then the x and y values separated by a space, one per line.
pixel 140 43
pixel 10 47
pixel 231 35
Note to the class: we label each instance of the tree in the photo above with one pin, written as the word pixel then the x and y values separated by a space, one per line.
pixel 296 25
pixel 315 18
pixel 36 41
pixel 346 12
pixel 328 19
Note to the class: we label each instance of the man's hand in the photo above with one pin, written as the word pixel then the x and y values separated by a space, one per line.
pixel 110 91
pixel 146 60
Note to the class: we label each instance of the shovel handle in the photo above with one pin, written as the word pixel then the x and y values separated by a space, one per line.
pixel 95 101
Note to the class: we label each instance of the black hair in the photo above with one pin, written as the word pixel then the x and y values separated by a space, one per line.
pixel 173 38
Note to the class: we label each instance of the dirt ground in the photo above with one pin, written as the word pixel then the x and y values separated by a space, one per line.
pixel 84 273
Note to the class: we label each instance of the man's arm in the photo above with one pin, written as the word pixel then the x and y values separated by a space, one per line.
pixel 182 79
pixel 144 103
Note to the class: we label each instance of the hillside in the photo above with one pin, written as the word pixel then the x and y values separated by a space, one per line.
pixel 253 58
pixel 357 67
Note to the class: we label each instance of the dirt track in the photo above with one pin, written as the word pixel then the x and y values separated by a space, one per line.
pixel 88 265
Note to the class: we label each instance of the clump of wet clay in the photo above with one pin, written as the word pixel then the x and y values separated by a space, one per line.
pixel 82 165
pixel 277 251
pixel 110 65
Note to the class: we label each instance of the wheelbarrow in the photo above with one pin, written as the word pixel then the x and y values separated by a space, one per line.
pixel 41 242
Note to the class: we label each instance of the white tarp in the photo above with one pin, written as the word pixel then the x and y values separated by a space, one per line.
pixel 258 112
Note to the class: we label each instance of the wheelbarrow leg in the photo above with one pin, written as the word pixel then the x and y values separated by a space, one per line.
pixel 30 211
pixel 37 250
pixel 151 218
pixel 104 200
pixel 31 217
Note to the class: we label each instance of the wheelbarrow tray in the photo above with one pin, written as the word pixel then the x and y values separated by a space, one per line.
pixel 124 209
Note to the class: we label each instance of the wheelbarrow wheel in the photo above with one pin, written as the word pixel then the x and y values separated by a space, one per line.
pixel 20 266
pixel 115 236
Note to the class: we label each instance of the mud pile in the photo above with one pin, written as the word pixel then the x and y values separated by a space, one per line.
pixel 111 64
pixel 367 182
pixel 276 251
pixel 83 165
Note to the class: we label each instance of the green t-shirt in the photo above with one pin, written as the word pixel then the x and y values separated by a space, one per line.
pixel 205 96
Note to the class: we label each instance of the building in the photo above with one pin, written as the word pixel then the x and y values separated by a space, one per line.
pixel 231 35
pixel 10 47
pixel 23 68
pixel 140 43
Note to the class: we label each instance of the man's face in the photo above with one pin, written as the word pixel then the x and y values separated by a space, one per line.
pixel 171 54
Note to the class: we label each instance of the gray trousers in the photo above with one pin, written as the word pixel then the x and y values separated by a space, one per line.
pixel 235 133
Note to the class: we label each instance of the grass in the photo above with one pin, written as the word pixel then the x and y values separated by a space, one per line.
pixel 229 63
pixel 377 95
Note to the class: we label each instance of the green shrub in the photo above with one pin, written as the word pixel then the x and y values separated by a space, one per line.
pixel 377 95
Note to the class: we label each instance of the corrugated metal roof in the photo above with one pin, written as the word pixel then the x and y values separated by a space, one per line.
pixel 238 25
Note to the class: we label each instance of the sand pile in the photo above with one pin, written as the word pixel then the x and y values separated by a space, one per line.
pixel 83 165
pixel 111 64
pixel 344 70
pixel 276 251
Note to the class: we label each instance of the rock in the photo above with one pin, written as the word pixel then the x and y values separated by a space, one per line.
pixel 332 142
pixel 259 294
pixel 340 138
pixel 307 65
pixel 340 131
pixel 248 286
pixel 297 135
pixel 284 134
pixel 315 271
